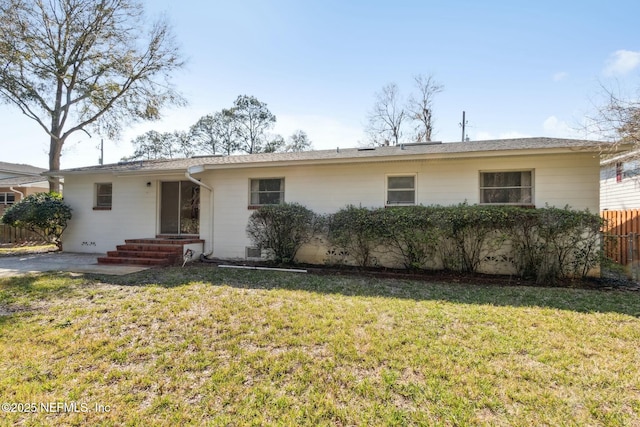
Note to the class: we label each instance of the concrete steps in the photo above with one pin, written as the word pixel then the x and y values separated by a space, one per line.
pixel 159 251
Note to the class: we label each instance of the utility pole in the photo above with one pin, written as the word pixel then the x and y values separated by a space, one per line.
pixel 101 159
pixel 463 124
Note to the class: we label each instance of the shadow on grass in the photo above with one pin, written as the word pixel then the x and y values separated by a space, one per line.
pixel 18 294
pixel 37 286
pixel 579 300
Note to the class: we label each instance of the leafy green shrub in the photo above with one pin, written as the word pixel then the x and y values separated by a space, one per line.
pixel 356 231
pixel 283 229
pixel 546 244
pixel 551 243
pixel 571 243
pixel 409 233
pixel 527 250
pixel 46 214
pixel 469 234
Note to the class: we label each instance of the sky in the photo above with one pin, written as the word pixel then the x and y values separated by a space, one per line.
pixel 518 69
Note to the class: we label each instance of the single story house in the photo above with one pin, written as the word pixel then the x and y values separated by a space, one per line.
pixel 205 202
pixel 18 181
pixel 620 182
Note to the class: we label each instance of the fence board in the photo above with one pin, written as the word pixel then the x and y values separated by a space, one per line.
pixel 621 235
pixel 621 222
pixel 10 234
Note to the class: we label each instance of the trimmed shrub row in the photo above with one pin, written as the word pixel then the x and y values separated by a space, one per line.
pixel 546 244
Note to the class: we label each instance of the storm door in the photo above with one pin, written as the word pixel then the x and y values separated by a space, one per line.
pixel 179 208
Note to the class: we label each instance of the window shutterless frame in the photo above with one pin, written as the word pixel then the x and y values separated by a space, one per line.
pixel 7 198
pixel 401 189
pixel 507 187
pixel 266 191
pixel 104 195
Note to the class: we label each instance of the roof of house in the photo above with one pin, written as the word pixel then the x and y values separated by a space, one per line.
pixel 350 155
pixel 628 155
pixel 20 169
pixel 24 181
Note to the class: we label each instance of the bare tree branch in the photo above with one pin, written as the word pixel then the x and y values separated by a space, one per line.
pixel 74 64
pixel 420 106
pixel 387 116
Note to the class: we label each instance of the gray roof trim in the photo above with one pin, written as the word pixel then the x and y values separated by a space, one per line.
pixel 629 155
pixel 24 181
pixel 505 147
pixel 20 169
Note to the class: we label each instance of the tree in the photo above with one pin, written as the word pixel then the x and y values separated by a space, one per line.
pixel 386 117
pixel 298 141
pixel 182 143
pixel 152 145
pixel 274 144
pixel 252 119
pixel 617 119
pixel 420 106
pixel 71 65
pixel 43 213
pixel 216 133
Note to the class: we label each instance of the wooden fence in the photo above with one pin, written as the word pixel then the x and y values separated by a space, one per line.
pixel 10 234
pixel 621 222
pixel 621 236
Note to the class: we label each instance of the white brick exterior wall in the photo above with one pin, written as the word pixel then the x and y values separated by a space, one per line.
pixel 559 180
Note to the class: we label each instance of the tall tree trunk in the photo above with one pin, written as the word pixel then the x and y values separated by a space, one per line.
pixel 55 150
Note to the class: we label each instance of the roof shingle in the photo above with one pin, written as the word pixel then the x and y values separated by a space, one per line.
pixel 340 155
pixel 20 169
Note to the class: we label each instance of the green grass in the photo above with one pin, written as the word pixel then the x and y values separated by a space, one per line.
pixel 205 346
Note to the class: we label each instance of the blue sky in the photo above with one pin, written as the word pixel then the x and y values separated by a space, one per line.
pixel 516 68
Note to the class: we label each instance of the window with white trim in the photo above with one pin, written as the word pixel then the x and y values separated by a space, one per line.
pixel 266 191
pixel 401 190
pixel 104 195
pixel 7 198
pixel 630 169
pixel 506 187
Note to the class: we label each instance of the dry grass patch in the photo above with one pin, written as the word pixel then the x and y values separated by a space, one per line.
pixel 25 248
pixel 200 346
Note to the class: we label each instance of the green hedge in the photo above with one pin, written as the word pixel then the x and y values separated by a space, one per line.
pixel 546 244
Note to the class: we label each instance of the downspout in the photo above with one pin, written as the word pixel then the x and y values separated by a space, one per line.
pixel 187 174
pixel 16 191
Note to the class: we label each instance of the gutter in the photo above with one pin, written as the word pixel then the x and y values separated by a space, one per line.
pixel 187 174
pixel 18 192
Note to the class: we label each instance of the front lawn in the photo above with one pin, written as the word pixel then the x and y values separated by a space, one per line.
pixel 206 346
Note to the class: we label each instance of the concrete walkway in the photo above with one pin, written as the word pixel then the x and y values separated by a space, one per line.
pixel 60 261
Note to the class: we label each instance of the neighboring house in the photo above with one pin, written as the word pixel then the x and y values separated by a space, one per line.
pixel 620 182
pixel 211 198
pixel 18 181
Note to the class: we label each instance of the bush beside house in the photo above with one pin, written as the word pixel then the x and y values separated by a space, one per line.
pixel 282 229
pixel 543 244
pixel 45 214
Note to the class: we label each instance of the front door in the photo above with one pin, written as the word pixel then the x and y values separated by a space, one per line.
pixel 179 207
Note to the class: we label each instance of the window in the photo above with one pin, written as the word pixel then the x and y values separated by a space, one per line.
pixel 618 172
pixel 506 188
pixel 104 193
pixel 401 190
pixel 630 169
pixel 266 191
pixel 7 198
